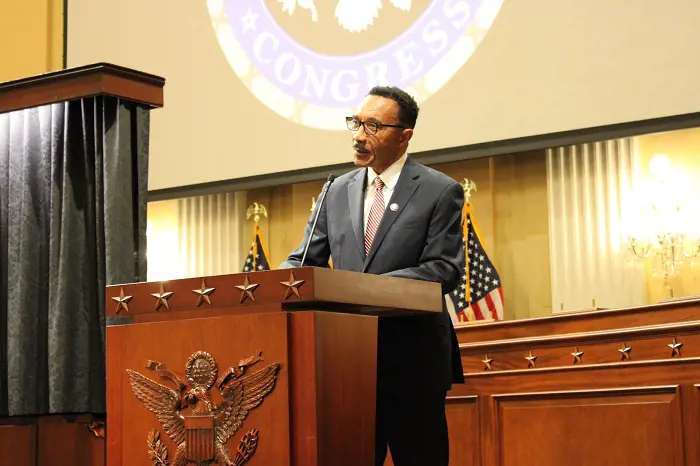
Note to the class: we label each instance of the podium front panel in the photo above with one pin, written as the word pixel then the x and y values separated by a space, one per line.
pixel 173 380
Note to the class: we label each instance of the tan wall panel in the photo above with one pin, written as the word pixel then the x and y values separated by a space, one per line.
pixel 31 37
pixel 289 211
pixel 479 171
pixel 522 234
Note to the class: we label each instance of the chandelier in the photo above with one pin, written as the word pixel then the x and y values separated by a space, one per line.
pixel 661 227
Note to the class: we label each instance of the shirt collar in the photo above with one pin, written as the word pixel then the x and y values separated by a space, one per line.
pixel 390 176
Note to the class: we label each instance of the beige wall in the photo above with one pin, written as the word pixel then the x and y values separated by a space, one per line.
pixel 31 37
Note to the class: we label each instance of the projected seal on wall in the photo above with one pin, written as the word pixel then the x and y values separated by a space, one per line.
pixel 312 61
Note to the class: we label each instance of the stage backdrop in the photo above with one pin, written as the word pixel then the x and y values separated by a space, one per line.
pixel 261 86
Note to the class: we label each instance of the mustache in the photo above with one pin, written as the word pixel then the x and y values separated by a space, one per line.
pixel 360 147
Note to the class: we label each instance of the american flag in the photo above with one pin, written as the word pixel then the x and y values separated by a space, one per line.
pixel 479 296
pixel 256 259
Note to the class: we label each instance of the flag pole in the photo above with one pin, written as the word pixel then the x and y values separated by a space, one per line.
pixel 255 211
pixel 469 186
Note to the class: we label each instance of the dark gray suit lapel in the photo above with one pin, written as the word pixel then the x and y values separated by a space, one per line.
pixel 356 198
pixel 404 189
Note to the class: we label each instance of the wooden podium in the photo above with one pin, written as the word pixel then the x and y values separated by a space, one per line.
pixel 264 368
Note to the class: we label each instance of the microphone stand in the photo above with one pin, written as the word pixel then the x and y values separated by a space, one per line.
pixel 318 212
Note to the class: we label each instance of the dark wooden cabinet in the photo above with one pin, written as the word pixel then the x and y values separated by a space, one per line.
pixel 606 387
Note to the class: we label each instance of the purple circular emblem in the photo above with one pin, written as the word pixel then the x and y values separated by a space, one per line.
pixel 342 81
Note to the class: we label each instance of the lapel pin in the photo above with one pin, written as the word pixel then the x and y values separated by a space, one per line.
pixel 394 207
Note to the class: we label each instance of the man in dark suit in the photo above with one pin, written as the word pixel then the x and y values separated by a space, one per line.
pixel 394 216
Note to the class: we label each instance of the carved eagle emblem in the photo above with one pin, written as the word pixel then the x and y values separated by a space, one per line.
pixel 194 422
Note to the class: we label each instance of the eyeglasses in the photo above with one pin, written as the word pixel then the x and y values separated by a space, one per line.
pixel 371 127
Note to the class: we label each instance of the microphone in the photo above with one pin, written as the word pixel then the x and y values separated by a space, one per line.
pixel 319 205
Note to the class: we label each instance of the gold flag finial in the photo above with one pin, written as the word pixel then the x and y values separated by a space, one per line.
pixel 313 203
pixel 255 211
pixel 468 186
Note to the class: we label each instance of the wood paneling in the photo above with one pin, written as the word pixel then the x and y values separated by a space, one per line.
pixel 80 82
pixel 581 322
pixel 604 408
pixel 626 426
pixel 52 440
pixel 69 443
pixel 321 411
pixel 333 386
pixel 463 418
pixel 228 340
pixel 483 199
pixel 304 424
pixel 18 444
pixel 346 351
pixel 321 289
pixel 522 234
pixel 691 417
pixel 115 393
pixel 510 207
pixel 576 350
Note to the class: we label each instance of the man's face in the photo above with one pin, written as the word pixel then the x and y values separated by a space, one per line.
pixel 388 144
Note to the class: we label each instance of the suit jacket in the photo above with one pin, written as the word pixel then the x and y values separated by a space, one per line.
pixel 422 240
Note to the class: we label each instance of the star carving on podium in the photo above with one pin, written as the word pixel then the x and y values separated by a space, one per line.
pixel 247 289
pixel 162 298
pixel 675 347
pixel 203 293
pixel 122 301
pixel 625 352
pixel 577 355
pixel 531 360
pixel 487 363
pixel 292 286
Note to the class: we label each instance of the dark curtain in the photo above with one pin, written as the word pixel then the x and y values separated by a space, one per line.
pixel 73 186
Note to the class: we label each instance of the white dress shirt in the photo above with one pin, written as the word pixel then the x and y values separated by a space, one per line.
pixel 390 177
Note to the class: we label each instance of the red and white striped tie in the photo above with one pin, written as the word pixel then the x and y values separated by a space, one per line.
pixel 376 212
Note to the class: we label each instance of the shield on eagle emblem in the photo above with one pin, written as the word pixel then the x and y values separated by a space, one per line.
pixel 199 438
